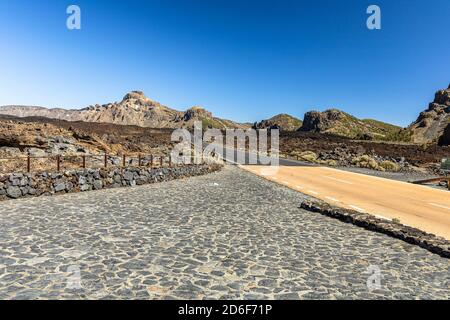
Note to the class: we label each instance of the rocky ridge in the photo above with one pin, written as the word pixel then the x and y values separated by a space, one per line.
pixel 134 109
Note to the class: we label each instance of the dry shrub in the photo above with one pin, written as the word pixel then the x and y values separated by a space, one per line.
pixel 368 162
pixel 389 166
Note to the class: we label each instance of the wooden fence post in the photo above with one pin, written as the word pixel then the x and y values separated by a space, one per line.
pixel 161 161
pixel 139 160
pixel 151 161
pixel 106 160
pixel 84 161
pixel 124 163
pixel 58 163
pixel 28 164
pixel 170 161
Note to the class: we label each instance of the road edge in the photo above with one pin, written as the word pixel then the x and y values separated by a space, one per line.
pixel 414 236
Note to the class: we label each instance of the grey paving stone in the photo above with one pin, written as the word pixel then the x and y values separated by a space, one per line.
pixel 244 239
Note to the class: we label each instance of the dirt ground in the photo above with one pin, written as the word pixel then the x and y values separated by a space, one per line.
pixel 98 138
pixel 43 139
pixel 130 138
pixel 418 155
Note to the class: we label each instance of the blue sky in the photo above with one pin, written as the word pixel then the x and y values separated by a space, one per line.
pixel 244 60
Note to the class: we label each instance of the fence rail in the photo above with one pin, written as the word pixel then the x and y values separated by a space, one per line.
pixel 103 160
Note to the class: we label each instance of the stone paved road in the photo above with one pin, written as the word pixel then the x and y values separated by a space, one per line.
pixel 226 235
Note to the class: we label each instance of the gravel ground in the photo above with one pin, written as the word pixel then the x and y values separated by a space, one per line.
pixel 221 236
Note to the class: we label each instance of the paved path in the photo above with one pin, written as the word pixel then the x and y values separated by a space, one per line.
pixel 226 235
pixel 422 207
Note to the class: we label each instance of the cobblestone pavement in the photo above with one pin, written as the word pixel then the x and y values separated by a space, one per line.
pixel 225 235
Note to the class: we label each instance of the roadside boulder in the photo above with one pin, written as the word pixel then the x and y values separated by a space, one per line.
pixel 13 192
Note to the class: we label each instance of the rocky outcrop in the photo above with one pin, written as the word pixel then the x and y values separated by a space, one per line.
pixel 337 122
pixel 316 121
pixel 134 109
pixel 282 122
pixel 408 234
pixel 19 185
pixel 431 123
pixel 196 113
pixel 444 140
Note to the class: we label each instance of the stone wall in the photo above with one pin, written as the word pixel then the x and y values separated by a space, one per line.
pixel 408 234
pixel 18 185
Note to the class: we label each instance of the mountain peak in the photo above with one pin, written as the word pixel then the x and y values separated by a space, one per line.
pixel 134 109
pixel 134 95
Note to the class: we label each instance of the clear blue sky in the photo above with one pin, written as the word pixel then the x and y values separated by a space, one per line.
pixel 242 59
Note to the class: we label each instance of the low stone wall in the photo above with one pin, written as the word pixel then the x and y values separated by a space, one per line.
pixel 411 235
pixel 19 185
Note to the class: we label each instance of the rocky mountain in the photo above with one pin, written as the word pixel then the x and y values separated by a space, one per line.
pixel 134 109
pixel 283 122
pixel 432 123
pixel 339 123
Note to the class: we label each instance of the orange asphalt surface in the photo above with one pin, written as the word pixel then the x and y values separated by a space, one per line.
pixel 417 206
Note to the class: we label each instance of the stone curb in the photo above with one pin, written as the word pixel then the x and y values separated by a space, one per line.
pixel 25 185
pixel 430 242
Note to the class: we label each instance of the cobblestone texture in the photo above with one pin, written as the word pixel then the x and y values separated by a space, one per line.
pixel 222 236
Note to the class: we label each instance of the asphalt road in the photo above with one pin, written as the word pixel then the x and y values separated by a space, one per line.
pixel 418 206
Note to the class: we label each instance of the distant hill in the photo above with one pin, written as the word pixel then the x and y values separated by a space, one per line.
pixel 339 123
pixel 134 109
pixel 283 122
pixel 431 124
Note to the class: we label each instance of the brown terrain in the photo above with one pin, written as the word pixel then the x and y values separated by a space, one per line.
pixel 44 137
pixel 340 151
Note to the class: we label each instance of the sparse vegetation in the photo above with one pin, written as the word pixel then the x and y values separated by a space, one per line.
pixel 308 156
pixel 331 163
pixel 366 161
pixel 389 166
pixel 402 135
pixel 212 123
